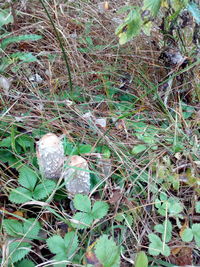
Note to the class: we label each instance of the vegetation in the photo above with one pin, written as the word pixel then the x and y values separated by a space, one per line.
pixel 120 86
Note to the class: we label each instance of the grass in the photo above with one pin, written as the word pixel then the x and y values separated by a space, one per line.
pixel 138 113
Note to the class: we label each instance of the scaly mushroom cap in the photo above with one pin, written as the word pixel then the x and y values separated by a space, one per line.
pixel 50 155
pixel 77 181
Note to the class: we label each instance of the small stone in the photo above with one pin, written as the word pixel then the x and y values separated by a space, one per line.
pixel 77 176
pixel 50 155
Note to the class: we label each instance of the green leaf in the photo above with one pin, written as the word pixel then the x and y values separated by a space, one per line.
pixel 13 227
pixel 130 28
pixel 19 38
pixel 44 189
pixel 5 17
pixel 25 142
pixel 157 246
pixel 24 56
pixel 107 252
pixel 187 235
pixel 6 142
pixel 165 229
pixel 20 195
pixel 141 259
pixel 71 243
pixel 197 207
pixel 56 244
pixel 26 263
pixel 100 209
pixel 82 149
pixel 194 9
pixel 31 228
pixel 84 220
pixel 152 5
pixel 175 207
pixel 18 250
pixel 196 233
pixel 27 177
pixel 138 149
pixel 82 203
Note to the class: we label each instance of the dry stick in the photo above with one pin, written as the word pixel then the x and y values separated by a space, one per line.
pixel 61 45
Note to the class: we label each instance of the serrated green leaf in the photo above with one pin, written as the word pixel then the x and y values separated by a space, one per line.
pixel 187 235
pixel 13 227
pixel 107 252
pixel 82 203
pixel 194 9
pixel 18 250
pixel 19 38
pixel 27 177
pixel 100 209
pixel 141 259
pixel 5 17
pixel 156 246
pixel 152 5
pixel 44 189
pixel 84 220
pixel 138 149
pixel 197 206
pixel 20 195
pixel 165 229
pixel 175 207
pixel 71 243
pixel 56 244
pixel 31 228
pixel 25 262
pixel 196 233
pixel 25 142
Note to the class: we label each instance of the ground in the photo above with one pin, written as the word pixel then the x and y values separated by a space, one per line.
pixel 113 105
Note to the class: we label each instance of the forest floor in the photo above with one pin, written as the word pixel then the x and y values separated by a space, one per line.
pixel 139 136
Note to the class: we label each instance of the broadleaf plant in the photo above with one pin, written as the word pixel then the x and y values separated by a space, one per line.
pixel 28 229
pixel 64 248
pixel 87 214
pixel 107 252
pixel 32 188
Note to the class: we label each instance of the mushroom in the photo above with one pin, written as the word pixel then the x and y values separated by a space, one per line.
pixel 50 155
pixel 77 176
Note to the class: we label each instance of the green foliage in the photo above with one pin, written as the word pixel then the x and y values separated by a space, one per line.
pixel 130 28
pixel 165 229
pixel 141 18
pixel 169 205
pixel 107 252
pixel 24 57
pixel 25 262
pixel 197 206
pixel 64 248
pixel 153 6
pixel 138 149
pixel 19 38
pixel 88 213
pixel 28 229
pixel 157 246
pixel 141 259
pixel 5 17
pixel 32 189
pixel 189 233
pixel 18 250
